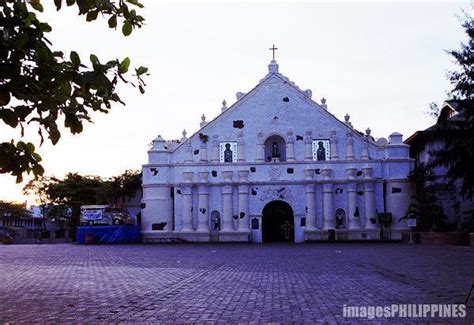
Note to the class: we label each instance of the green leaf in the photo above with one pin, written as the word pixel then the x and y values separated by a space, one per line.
pixel 36 4
pixel 4 97
pixel 21 146
pixel 75 58
pixel 123 67
pixel 19 178
pixel 113 21
pixel 54 135
pixel 45 28
pixel 136 3
pixel 29 148
pixel 58 4
pixel 73 123
pixel 127 28
pixel 9 117
pixel 38 170
pixel 29 19
pixel 142 70
pixel 36 157
pixel 94 60
pixel 92 15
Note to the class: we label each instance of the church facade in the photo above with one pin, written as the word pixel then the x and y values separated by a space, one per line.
pixel 276 166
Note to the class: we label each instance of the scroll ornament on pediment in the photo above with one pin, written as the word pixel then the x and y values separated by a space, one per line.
pixel 272 194
pixel 274 173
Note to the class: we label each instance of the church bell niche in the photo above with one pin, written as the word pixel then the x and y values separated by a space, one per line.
pixel 275 149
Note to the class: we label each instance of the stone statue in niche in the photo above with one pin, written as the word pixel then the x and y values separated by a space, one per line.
pixel 275 150
pixel 228 153
pixel 321 153
pixel 340 219
pixel 215 221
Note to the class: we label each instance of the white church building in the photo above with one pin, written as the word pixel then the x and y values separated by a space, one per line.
pixel 276 166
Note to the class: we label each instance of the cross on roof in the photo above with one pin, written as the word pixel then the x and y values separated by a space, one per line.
pixel 273 49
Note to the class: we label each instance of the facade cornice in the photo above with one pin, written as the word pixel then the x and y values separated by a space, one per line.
pixel 283 163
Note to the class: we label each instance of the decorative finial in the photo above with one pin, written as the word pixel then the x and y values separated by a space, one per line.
pixel 184 138
pixel 323 103
pixel 273 67
pixel 346 118
pixel 203 121
pixel 368 131
pixel 224 105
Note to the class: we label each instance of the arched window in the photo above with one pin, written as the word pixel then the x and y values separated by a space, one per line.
pixel 275 148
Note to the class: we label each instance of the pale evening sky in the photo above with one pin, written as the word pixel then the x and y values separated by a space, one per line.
pixel 381 62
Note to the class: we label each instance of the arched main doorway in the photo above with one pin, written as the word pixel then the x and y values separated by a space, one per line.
pixel 278 222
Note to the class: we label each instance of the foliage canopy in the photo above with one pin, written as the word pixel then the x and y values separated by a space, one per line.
pixel 44 87
pixel 458 132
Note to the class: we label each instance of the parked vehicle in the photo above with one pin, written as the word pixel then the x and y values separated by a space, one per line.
pixel 103 215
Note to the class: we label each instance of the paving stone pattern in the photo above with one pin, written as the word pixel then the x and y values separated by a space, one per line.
pixel 245 283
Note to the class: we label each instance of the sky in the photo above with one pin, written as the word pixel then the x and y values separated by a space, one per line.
pixel 381 62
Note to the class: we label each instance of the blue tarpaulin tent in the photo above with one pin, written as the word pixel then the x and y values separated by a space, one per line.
pixel 108 234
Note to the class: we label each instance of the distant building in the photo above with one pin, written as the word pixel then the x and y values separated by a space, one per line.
pixel 33 226
pixel 276 166
pixel 422 143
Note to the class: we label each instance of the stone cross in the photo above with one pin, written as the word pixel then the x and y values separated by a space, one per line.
pixel 273 49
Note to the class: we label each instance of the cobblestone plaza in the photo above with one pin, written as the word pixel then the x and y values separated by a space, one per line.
pixel 226 283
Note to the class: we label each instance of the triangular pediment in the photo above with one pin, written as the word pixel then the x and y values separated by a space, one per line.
pixel 276 105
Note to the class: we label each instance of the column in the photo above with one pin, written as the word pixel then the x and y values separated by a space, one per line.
pixel 364 153
pixel 187 204
pixel 354 223
pixel 240 147
pixel 333 145
pixel 203 152
pixel 243 201
pixel 189 152
pixel 350 147
pixel 290 146
pixel 369 198
pixel 310 200
pixel 328 204
pixel 227 202
pixel 203 202
pixel 308 144
pixel 215 149
pixel 259 157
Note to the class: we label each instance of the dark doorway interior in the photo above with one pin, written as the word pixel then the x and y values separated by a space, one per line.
pixel 278 222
